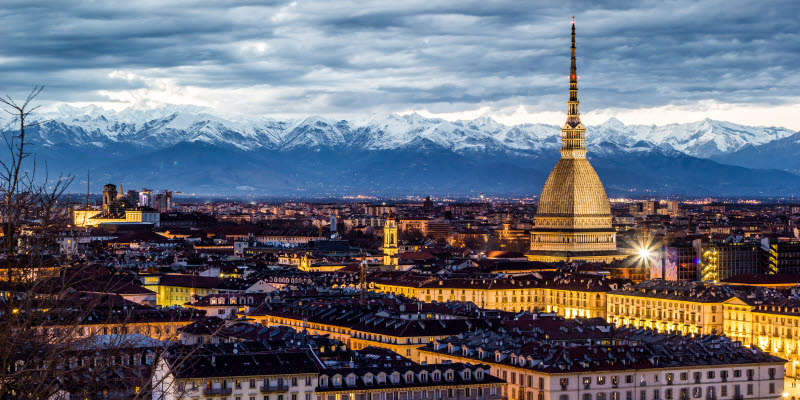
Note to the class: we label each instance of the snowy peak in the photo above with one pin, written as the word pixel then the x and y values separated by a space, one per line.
pixel 170 125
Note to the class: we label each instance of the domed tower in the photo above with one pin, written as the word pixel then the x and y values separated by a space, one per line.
pixel 573 219
pixel 390 241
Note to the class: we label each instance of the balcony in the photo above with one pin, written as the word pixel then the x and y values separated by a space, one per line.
pixel 218 391
pixel 274 389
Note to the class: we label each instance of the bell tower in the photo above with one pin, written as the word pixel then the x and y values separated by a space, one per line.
pixel 390 240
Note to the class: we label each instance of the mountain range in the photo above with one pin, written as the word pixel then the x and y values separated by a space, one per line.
pixel 192 149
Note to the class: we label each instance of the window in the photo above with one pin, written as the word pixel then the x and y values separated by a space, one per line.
pixel 710 375
pixel 601 396
pixel 771 373
pixel 684 376
pixel 697 392
pixel 750 374
pixel 587 383
pixel 587 396
pixel 541 383
pixel 669 380
pixel 772 387
pixel 564 383
pixel 614 381
pixel 749 389
pixel 629 395
pixel 668 394
pixel 684 394
pixel 628 378
pixel 643 395
pixel 656 394
pixel 252 383
pixel 563 397
pixel 723 391
pixel 723 375
pixel 737 373
pixel 601 380
pixel 294 381
pixel 696 377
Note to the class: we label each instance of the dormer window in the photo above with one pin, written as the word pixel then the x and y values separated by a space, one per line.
pixel 323 380
pixel 479 374
pixel 437 376
pixel 409 377
pixel 395 378
pixel 368 379
pixel 423 376
pixel 448 375
pixel 337 381
pixel 351 380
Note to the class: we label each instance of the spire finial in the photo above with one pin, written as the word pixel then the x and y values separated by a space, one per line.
pixel 572 133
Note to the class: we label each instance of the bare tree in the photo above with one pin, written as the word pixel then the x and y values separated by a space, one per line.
pixel 52 309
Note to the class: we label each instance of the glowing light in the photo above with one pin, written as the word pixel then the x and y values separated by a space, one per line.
pixel 644 253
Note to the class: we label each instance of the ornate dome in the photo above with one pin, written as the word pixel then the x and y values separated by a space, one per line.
pixel 573 189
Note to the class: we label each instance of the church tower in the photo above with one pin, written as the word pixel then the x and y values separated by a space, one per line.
pixel 390 241
pixel 573 218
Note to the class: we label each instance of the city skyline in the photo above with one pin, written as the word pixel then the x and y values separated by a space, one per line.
pixel 644 64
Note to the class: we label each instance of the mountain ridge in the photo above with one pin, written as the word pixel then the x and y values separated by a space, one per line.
pixel 162 146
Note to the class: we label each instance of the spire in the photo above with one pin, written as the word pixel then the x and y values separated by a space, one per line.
pixel 573 79
pixel 572 134
pixel 573 68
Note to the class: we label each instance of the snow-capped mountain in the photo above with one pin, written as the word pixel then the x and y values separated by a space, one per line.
pixel 174 124
pixel 703 139
pixel 199 148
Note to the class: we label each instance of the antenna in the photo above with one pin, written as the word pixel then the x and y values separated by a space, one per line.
pixel 88 177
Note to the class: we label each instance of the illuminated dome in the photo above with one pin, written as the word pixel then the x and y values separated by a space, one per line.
pixel 573 219
pixel 573 189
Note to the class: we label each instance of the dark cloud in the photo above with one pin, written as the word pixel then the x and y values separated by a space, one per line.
pixel 334 57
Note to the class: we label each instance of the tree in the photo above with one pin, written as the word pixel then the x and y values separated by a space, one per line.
pixel 50 306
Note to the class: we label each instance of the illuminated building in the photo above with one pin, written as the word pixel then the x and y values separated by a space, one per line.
pixel 690 308
pixel 596 363
pixel 571 295
pixel 573 218
pixel 359 327
pixel 431 381
pixel 776 330
pixel 178 289
pixel 116 210
pixel 783 258
pixel 390 241
pixel 276 375
pixel 722 261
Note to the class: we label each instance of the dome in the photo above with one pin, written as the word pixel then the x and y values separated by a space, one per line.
pixel 573 189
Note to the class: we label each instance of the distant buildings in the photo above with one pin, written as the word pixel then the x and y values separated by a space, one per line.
pixel 117 210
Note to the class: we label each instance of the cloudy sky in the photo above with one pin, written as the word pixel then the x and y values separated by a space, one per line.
pixel 642 62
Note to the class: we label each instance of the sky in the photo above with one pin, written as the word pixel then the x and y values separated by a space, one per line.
pixel 644 62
